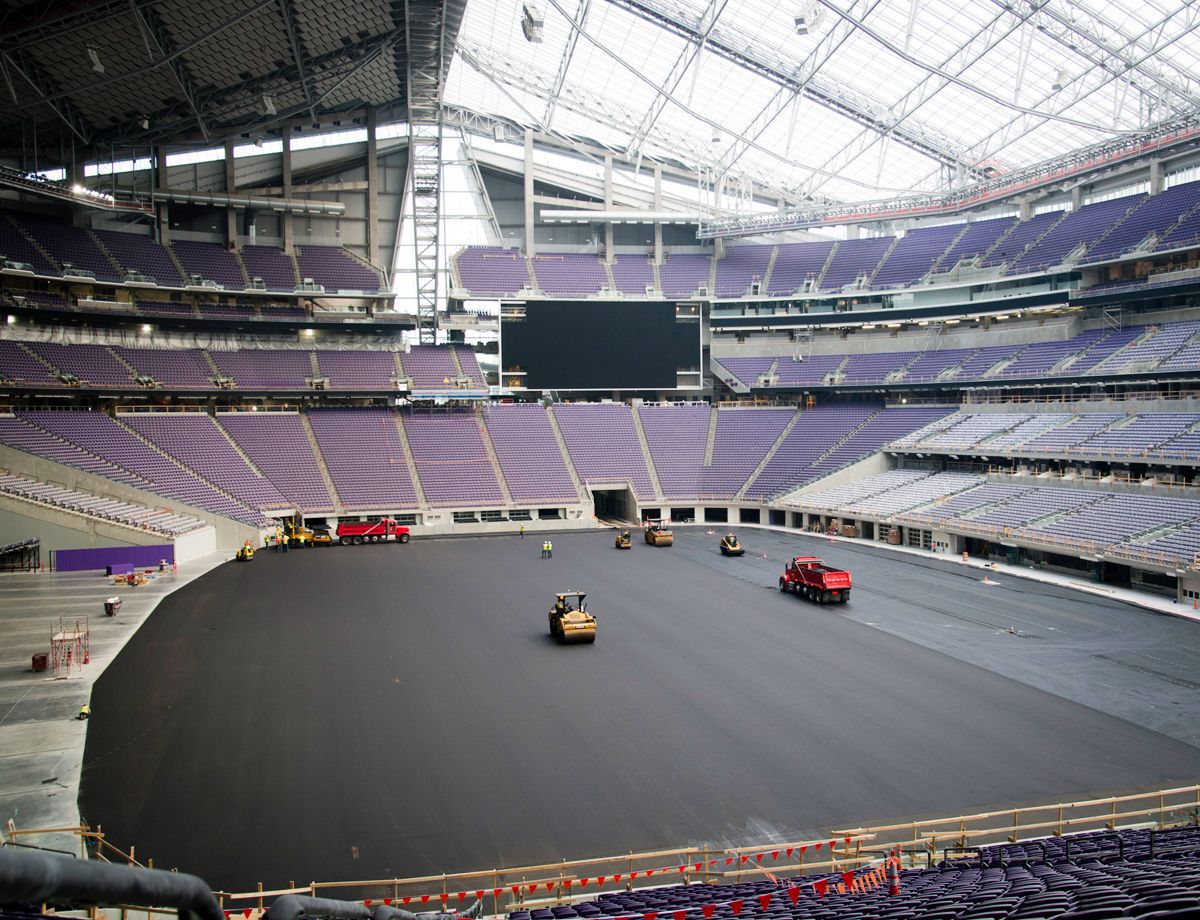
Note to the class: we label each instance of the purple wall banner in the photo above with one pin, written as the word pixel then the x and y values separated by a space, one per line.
pixel 101 557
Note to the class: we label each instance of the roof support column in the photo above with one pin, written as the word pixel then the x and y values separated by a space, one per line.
pixel 658 246
pixel 286 226
pixel 163 209
pixel 1156 177
pixel 608 204
pixel 372 187
pixel 530 243
pixel 231 226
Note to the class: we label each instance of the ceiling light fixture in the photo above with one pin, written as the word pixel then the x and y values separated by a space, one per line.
pixel 268 104
pixel 533 19
pixel 94 55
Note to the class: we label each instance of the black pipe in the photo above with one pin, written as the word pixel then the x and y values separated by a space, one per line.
pixel 297 907
pixel 42 877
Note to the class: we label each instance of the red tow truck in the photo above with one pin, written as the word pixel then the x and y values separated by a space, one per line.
pixel 809 576
pixel 385 530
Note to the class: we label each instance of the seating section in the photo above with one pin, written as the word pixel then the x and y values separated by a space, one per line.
pixel 1079 228
pixel 184 368
pixel 15 247
pixel 875 367
pixel 365 457
pixel 741 266
pixel 92 364
pixel 529 454
pixel 915 255
pixel 126 514
pixel 1101 435
pixel 451 459
pixel 740 442
pixel 978 239
pixel 430 367
pixel 25 436
pixel 1096 876
pixel 1156 215
pixel 796 264
pixel 678 440
pixel 682 273
pixel 814 369
pixel 569 274
pixel 492 270
pixel 195 440
pixel 211 262
pixel 18 363
pixel 815 432
pixel 1010 246
pixel 747 370
pixel 135 252
pixel 633 274
pixel 604 445
pixel 887 493
pixel 854 259
pixel 277 444
pixel 73 248
pixel 335 269
pixel 878 431
pixel 357 370
pixel 101 436
pixel 275 267
pixel 263 369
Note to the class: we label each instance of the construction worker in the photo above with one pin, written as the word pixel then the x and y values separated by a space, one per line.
pixel 545 548
pixel 522 531
pixel 85 713
pixel 549 550
pixel 278 539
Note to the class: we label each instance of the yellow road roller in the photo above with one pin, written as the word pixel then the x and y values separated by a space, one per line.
pixel 659 534
pixel 624 541
pixel 570 623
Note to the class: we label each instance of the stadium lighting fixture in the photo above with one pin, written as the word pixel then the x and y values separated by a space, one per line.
pixel 147 328
pixel 532 21
pixel 94 56
pixel 801 22
pixel 268 104
pixel 145 122
pixel 11 320
pixel 1060 80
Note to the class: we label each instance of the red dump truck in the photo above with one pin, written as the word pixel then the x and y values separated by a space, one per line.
pixel 384 530
pixel 809 576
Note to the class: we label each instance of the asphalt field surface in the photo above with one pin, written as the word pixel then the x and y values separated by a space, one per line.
pixel 378 711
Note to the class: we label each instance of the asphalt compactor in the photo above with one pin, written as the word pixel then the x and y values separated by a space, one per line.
pixel 570 623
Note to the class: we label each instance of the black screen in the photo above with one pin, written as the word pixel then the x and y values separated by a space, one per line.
pixel 590 345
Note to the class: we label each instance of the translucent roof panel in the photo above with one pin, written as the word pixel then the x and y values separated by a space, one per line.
pixel 877 98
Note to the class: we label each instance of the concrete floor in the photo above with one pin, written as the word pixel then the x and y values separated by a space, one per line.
pixel 384 710
pixel 41 743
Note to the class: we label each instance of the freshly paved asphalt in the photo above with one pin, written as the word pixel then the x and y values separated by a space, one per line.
pixel 378 711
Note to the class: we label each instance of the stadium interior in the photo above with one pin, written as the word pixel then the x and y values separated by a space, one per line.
pixel 907 285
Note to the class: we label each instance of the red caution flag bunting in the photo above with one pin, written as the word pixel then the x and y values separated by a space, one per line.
pixel 387 902
pixel 567 884
pixel 496 892
pixel 821 888
pixel 735 907
pixel 764 900
pixel 745 859
pixel 600 879
pixel 462 896
pixel 367 902
pixel 728 860
pixel 848 839
pixel 803 850
pixel 227 913
pixel 758 857
pixel 794 893
pixel 405 901
pixel 832 844
pixel 848 878
pixel 817 847
pixel 424 899
pixel 516 890
pixel 650 915
pixel 679 914
pixel 708 910
pixel 650 872
pixel 549 886
pixel 774 854
pixel 682 869
pixel 617 878
pixel 697 866
pixel 632 876
pixel 247 912
pixel 444 898
pixel 479 894
pixel 583 882
pixel 790 850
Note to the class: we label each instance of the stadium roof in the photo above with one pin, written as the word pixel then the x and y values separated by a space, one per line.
pixel 807 100
pixel 877 97
pixel 137 72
